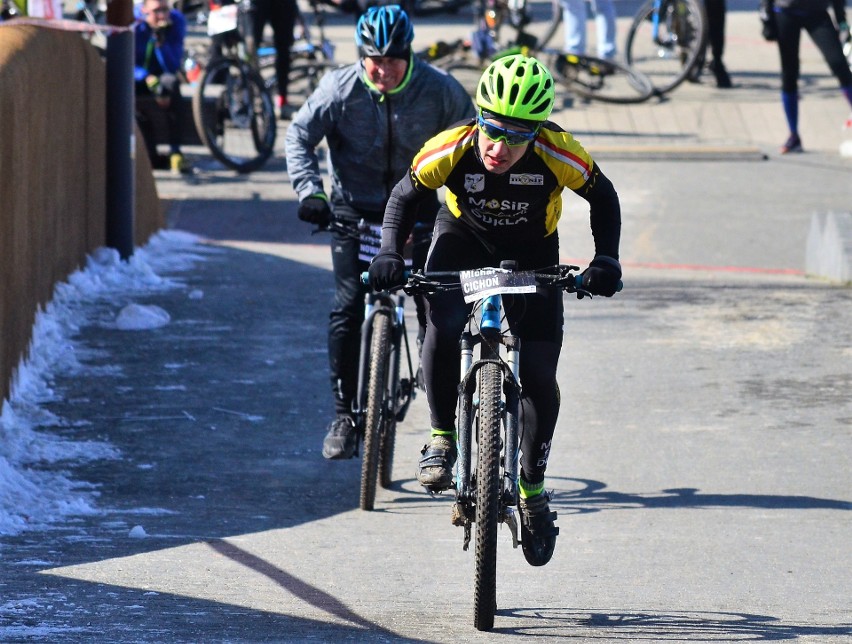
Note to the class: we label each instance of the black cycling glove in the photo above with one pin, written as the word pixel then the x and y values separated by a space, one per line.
pixel 602 276
pixel 315 210
pixel 387 270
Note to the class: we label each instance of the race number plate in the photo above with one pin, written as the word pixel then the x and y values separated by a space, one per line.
pixel 371 242
pixel 483 282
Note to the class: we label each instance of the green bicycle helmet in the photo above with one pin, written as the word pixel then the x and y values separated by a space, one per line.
pixel 517 87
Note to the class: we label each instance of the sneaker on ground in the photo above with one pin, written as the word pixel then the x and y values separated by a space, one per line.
pixel 723 79
pixel 435 468
pixel 538 534
pixel 341 440
pixel 793 144
pixel 178 163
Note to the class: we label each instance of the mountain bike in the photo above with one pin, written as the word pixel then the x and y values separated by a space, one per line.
pixel 666 41
pixel 232 107
pixel 385 386
pixel 489 399
pixel 589 77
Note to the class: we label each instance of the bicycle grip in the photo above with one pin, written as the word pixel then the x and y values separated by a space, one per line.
pixel 578 282
pixel 365 277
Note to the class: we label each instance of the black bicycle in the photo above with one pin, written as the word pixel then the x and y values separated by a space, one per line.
pixel 232 106
pixel 387 381
pixel 487 467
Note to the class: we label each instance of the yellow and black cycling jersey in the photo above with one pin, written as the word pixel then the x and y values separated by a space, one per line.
pixel 527 199
pixel 521 205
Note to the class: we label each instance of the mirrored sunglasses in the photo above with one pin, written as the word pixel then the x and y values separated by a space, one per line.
pixel 497 133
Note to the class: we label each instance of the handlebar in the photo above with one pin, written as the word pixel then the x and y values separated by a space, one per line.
pixel 559 276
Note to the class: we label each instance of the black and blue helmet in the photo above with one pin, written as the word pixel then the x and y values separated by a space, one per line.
pixel 384 31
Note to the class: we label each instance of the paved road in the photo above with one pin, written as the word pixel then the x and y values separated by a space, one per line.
pixel 701 465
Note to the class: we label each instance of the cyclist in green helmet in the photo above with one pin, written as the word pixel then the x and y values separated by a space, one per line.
pixel 504 173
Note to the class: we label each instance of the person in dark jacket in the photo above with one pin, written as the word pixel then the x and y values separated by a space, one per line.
pixel 783 21
pixel 159 43
pixel 374 115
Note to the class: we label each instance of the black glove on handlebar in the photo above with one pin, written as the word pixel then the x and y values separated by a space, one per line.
pixel 602 276
pixel 387 270
pixel 315 210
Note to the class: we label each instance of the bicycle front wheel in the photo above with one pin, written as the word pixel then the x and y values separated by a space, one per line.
pixel 234 115
pixel 375 411
pixel 667 40
pixel 602 80
pixel 487 496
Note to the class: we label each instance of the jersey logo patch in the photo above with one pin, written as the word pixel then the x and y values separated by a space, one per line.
pixel 526 179
pixel 474 182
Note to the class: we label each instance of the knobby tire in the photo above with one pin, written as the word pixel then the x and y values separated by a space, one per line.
pixel 487 496
pixel 375 413
pixel 388 434
pixel 234 115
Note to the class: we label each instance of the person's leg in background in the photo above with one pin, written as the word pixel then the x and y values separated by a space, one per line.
pixel 716 12
pixel 789 36
pixel 173 107
pixel 606 28
pixel 281 16
pixel 574 15
pixel 825 37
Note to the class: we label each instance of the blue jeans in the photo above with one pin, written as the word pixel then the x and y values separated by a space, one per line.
pixel 574 16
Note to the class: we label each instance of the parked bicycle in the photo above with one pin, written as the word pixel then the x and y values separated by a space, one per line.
pixel 586 76
pixel 387 381
pixel 232 107
pixel 666 41
pixel 487 468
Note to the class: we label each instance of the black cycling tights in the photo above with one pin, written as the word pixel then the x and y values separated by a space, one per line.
pixel 536 319
pixel 822 31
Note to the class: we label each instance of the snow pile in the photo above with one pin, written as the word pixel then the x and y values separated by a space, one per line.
pixel 31 492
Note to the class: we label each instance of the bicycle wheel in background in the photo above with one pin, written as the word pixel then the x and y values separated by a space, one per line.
pixel 488 488
pixel 602 80
pixel 375 411
pixel 666 49
pixel 234 115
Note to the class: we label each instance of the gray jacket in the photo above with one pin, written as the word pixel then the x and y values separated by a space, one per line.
pixel 372 138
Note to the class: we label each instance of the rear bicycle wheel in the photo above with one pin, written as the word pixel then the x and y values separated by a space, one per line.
pixel 234 115
pixel 666 45
pixel 375 411
pixel 602 80
pixel 487 497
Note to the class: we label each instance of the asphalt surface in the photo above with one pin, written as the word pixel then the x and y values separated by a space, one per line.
pixel 700 467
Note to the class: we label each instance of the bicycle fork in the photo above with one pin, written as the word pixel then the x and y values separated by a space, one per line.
pixel 490 339
pixel 400 390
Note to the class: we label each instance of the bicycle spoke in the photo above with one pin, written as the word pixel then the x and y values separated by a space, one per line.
pixel 667 44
